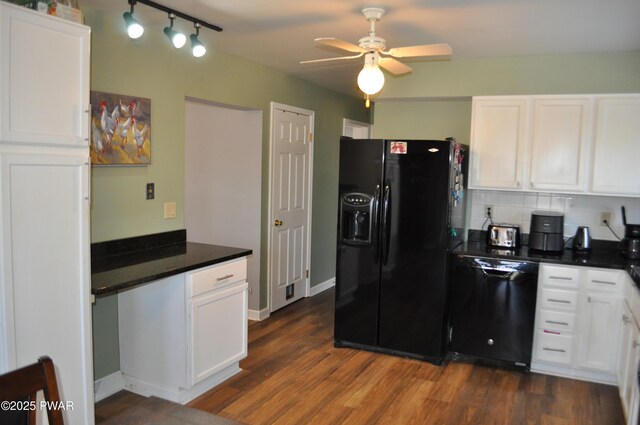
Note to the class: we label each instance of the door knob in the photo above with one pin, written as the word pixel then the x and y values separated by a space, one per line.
pixel 277 222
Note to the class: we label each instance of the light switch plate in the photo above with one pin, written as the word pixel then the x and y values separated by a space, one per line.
pixel 169 210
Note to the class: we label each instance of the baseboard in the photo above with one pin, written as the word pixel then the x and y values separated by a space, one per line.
pixel 315 290
pixel 108 385
pixel 258 314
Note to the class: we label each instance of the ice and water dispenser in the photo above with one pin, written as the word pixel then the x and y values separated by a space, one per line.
pixel 356 218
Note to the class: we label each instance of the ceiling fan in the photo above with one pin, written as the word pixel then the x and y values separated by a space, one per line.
pixel 372 47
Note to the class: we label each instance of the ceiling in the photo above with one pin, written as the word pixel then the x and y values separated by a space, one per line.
pixel 280 33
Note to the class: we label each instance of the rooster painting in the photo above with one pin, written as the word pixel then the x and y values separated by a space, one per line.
pixel 120 129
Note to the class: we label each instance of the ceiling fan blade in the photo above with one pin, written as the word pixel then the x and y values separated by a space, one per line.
pixel 339 44
pixel 334 59
pixel 439 50
pixel 394 66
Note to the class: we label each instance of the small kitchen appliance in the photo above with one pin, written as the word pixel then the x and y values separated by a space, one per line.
pixel 582 240
pixel 630 244
pixel 546 231
pixel 503 236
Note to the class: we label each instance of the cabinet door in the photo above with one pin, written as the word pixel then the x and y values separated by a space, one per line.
pixel 559 144
pixel 599 332
pixel 616 151
pixel 44 79
pixel 44 280
pixel 499 128
pixel 218 333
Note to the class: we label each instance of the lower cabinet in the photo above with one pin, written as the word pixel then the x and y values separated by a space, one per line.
pixel 629 359
pixel 577 322
pixel 182 335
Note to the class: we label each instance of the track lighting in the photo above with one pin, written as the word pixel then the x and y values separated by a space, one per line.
pixel 135 30
pixel 178 39
pixel 197 48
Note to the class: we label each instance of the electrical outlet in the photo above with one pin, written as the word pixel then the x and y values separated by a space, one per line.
pixel 151 190
pixel 488 211
pixel 605 218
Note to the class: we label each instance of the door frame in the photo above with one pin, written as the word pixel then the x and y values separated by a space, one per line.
pixel 357 125
pixel 272 107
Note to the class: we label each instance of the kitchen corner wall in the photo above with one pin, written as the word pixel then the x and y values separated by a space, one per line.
pixel 579 210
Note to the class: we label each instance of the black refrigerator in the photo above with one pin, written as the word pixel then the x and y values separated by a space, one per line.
pixel 400 207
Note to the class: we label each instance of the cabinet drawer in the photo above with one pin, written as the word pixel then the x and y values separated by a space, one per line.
pixel 557 298
pixel 604 280
pixel 557 321
pixel 554 348
pixel 564 277
pixel 217 276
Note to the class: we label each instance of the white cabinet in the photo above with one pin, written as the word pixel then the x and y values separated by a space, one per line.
pixel 45 285
pixel 499 131
pixel 628 358
pixel 616 147
pixel 182 335
pixel 560 143
pixel 556 143
pixel 44 78
pixel 577 322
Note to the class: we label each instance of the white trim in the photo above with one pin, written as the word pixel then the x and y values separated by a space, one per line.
pixel 353 124
pixel 321 287
pixel 108 385
pixel 568 372
pixel 259 315
pixel 311 114
pixel 180 395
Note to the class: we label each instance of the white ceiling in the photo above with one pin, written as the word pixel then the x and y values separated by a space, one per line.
pixel 280 33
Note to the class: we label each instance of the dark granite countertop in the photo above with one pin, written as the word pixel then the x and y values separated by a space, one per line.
pixel 604 254
pixel 125 263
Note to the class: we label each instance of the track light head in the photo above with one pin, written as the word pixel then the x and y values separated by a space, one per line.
pixel 134 29
pixel 197 48
pixel 177 38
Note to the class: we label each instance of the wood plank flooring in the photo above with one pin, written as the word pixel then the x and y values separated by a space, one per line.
pixel 294 375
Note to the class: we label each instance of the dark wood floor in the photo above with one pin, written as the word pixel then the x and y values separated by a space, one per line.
pixel 294 375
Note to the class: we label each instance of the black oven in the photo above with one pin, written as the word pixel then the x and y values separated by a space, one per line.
pixel 493 304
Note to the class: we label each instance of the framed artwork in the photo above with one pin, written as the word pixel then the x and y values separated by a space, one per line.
pixel 120 129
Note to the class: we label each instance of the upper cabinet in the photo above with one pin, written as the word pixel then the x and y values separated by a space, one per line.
pixel 559 143
pixel 44 79
pixel 499 130
pixel 616 169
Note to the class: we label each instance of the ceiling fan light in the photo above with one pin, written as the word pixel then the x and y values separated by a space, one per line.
pixel 134 29
pixel 370 79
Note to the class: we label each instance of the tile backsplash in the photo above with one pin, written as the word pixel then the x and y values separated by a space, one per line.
pixel 579 210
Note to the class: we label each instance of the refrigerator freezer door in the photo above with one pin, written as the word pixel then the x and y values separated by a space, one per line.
pixel 357 264
pixel 412 285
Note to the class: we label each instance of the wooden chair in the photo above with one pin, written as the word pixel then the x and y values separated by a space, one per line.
pixel 22 385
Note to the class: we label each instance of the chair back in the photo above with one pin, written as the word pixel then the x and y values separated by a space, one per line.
pixel 20 387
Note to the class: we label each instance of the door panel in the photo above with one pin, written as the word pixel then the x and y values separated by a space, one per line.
pixel 290 206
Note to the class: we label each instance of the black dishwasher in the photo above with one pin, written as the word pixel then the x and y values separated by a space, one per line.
pixel 493 304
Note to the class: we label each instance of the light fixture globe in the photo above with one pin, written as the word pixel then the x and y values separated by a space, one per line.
pixel 370 79
pixel 134 29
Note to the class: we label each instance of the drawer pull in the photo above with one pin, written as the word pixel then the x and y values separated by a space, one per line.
pixel 224 277
pixel 555 350
pixel 552 300
pixel 560 278
pixel 553 322
pixel 605 282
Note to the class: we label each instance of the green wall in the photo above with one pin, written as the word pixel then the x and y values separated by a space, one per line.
pixel 434 101
pixel 151 68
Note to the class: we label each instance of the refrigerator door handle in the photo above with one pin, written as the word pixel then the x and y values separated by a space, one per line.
pixel 385 222
pixel 376 222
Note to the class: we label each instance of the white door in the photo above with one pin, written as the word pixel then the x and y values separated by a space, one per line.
pixel 290 200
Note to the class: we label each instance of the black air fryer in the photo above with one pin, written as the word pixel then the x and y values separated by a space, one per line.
pixel 546 232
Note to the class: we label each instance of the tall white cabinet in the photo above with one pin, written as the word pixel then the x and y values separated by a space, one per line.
pixel 45 289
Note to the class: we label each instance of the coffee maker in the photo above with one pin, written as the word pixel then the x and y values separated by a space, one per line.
pixel 630 244
pixel 546 231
